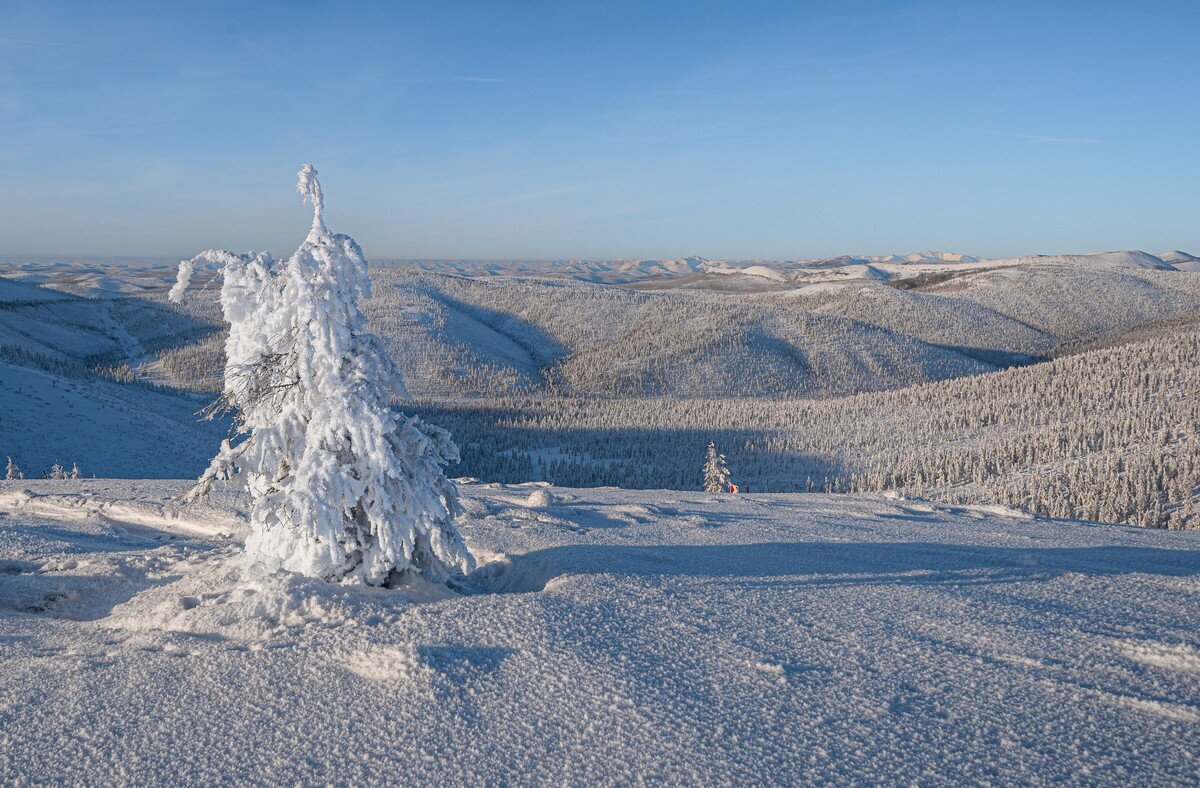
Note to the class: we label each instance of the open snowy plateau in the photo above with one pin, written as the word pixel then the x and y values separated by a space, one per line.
pixel 607 637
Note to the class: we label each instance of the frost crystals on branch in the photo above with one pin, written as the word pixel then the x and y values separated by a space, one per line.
pixel 716 473
pixel 340 486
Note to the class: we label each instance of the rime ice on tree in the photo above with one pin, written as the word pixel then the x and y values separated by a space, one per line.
pixel 340 485
pixel 716 473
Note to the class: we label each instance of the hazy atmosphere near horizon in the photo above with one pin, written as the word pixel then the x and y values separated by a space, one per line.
pixel 602 130
pixel 599 394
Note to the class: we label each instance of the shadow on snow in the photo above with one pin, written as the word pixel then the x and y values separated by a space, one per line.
pixel 828 563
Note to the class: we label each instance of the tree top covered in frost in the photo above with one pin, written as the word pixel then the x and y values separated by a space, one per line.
pixel 308 185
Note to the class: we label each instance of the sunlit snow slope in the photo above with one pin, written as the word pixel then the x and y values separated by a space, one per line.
pixel 611 637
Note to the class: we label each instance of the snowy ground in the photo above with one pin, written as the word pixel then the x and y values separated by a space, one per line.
pixel 615 636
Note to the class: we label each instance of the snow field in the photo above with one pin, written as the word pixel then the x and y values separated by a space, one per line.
pixel 609 637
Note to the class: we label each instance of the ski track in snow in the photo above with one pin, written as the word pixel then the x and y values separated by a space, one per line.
pixel 609 637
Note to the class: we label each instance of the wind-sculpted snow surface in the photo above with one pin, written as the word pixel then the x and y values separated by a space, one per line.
pixel 609 638
pixel 340 485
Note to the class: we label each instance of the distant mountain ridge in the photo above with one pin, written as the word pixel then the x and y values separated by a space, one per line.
pixel 144 276
pixel 692 272
pixel 1128 259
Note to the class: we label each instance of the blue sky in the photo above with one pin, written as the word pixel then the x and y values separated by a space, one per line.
pixel 601 129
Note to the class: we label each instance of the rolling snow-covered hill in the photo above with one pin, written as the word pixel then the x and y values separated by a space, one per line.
pixel 609 341
pixel 105 427
pixel 1181 261
pixel 1025 308
pixel 591 383
pixel 70 393
pixel 1108 433
pixel 456 337
pixel 514 335
pixel 608 637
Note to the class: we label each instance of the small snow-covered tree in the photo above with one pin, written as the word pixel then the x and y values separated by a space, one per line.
pixel 340 485
pixel 74 472
pixel 716 473
pixel 12 471
pixel 56 472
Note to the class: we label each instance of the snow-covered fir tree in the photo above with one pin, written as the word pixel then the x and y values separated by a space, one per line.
pixel 11 471
pixel 340 485
pixel 716 473
pixel 74 472
pixel 56 472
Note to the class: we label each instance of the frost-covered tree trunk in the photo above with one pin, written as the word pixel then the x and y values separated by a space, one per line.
pixel 340 486
pixel 716 473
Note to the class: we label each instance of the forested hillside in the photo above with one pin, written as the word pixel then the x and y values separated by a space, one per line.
pixel 1108 435
pixel 908 384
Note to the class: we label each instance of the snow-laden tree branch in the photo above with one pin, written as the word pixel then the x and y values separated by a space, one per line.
pixel 340 485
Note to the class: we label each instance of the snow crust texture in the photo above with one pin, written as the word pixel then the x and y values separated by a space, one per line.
pixel 608 637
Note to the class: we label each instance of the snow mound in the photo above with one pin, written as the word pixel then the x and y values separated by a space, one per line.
pixel 170 515
pixel 1172 656
pixel 539 499
pixel 217 598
